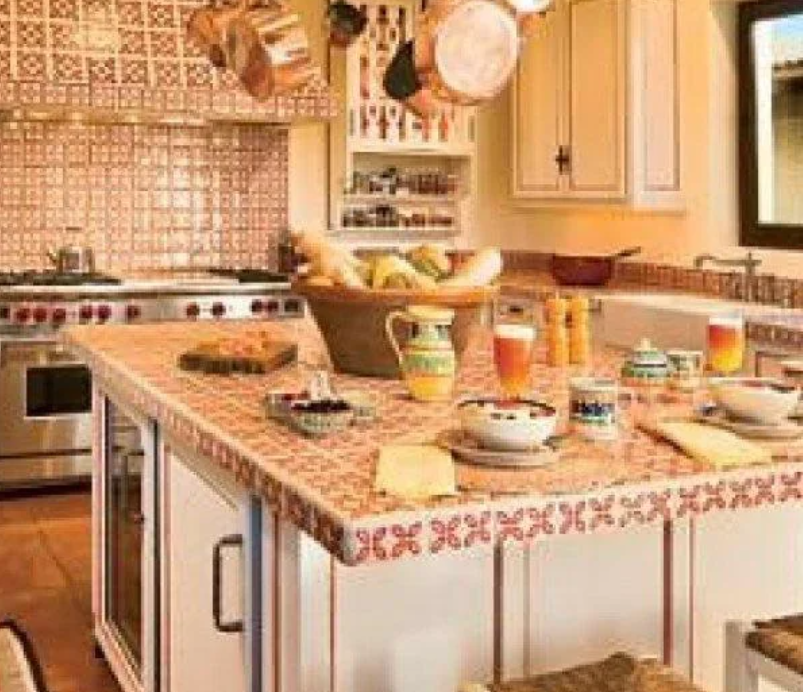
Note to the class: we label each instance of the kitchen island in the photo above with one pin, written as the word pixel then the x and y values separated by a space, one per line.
pixel 269 559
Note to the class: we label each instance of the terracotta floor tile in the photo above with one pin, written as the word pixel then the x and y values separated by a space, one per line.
pixel 26 564
pixel 16 511
pixel 45 572
pixel 70 505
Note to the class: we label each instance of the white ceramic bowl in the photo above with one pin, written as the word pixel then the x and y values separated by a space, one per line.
pixel 514 426
pixel 759 400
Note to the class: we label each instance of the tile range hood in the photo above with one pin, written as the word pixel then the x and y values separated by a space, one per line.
pixel 126 61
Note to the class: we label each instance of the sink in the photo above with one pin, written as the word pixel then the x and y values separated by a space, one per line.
pixel 670 320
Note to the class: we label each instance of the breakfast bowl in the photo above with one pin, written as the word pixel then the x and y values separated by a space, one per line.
pixel 514 425
pixel 761 400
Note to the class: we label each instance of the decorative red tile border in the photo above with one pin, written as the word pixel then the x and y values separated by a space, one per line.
pixel 326 487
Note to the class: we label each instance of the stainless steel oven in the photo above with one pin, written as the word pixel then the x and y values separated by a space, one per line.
pixel 45 412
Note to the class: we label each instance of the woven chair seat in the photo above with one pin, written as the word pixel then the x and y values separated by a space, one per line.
pixel 780 640
pixel 619 673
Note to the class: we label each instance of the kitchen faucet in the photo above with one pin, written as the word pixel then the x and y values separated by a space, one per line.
pixel 749 263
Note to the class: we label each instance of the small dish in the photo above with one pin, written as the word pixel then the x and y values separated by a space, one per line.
pixel 321 418
pixel 755 399
pixel 517 425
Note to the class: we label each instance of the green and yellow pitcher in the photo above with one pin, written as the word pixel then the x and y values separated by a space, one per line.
pixel 427 361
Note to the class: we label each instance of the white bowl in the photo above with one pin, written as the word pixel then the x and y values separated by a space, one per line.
pixel 507 426
pixel 760 400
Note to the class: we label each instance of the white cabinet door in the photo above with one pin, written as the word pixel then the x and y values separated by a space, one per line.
pixel 199 516
pixel 537 96
pixel 655 85
pixel 598 85
pixel 597 89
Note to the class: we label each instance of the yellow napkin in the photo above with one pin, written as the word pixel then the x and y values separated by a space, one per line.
pixel 415 472
pixel 720 448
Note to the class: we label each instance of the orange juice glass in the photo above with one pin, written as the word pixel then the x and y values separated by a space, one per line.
pixel 726 344
pixel 513 356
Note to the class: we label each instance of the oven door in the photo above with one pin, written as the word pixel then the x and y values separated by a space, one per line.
pixel 45 399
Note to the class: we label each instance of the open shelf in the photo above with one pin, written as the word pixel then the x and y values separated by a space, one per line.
pixel 400 200
pixel 395 233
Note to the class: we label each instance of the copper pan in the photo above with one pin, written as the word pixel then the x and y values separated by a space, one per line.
pixel 207 28
pixel 268 48
pixel 464 53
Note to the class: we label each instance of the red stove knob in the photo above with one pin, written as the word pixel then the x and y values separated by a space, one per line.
pixel 40 314
pixel 104 312
pixel 133 312
pixel 272 306
pixel 23 315
pixel 218 309
pixel 59 315
pixel 5 312
pixel 86 312
pixel 257 306
pixel 192 310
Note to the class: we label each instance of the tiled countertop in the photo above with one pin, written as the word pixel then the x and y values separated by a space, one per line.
pixel 326 487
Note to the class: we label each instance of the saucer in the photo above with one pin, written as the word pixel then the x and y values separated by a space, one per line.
pixel 467 449
pixel 788 430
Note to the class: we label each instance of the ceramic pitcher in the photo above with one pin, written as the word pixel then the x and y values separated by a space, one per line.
pixel 427 360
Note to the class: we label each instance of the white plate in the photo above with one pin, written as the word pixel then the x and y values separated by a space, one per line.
pixel 789 430
pixel 466 449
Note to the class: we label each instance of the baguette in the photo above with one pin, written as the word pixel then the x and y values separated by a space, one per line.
pixel 481 270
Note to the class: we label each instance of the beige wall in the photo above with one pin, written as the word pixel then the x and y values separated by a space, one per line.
pixel 708 124
pixel 308 182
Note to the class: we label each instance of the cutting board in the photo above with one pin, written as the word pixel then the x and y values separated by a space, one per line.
pixel 271 356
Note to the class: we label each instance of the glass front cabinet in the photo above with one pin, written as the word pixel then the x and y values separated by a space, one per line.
pixel 175 563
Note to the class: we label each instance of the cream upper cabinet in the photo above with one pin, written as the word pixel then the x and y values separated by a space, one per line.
pixel 595 106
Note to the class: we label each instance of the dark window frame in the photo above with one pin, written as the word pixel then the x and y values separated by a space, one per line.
pixel 752 233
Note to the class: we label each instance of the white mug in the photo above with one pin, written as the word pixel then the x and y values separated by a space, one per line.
pixel 594 409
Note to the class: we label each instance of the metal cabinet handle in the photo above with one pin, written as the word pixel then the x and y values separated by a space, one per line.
pixel 563 159
pixel 232 541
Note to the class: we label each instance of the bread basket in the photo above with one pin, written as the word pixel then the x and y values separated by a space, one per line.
pixel 352 321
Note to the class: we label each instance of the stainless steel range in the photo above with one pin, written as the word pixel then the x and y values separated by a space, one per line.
pixel 46 394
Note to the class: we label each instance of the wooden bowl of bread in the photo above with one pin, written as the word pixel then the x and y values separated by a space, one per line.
pixel 350 298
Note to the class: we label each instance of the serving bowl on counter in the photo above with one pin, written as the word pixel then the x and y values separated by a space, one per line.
pixel 352 321
pixel 322 417
pixel 516 425
pixel 761 400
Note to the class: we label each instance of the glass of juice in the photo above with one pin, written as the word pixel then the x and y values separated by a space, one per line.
pixel 726 344
pixel 513 357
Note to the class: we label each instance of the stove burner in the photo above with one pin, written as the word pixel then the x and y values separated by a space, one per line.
pixel 250 276
pixel 53 278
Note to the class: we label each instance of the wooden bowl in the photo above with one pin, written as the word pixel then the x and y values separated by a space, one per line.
pixel 352 321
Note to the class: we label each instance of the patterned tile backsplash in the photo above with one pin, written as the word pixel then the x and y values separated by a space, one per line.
pixel 127 54
pixel 142 196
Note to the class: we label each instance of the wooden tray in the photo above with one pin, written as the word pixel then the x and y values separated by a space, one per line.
pixel 272 356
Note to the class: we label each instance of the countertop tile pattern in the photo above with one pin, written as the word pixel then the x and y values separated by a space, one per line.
pixel 326 486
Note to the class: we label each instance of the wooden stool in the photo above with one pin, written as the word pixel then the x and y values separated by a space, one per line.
pixel 771 649
pixel 619 673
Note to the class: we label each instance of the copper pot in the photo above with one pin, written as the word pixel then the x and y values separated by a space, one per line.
pixel 268 48
pixel 464 53
pixel 207 28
